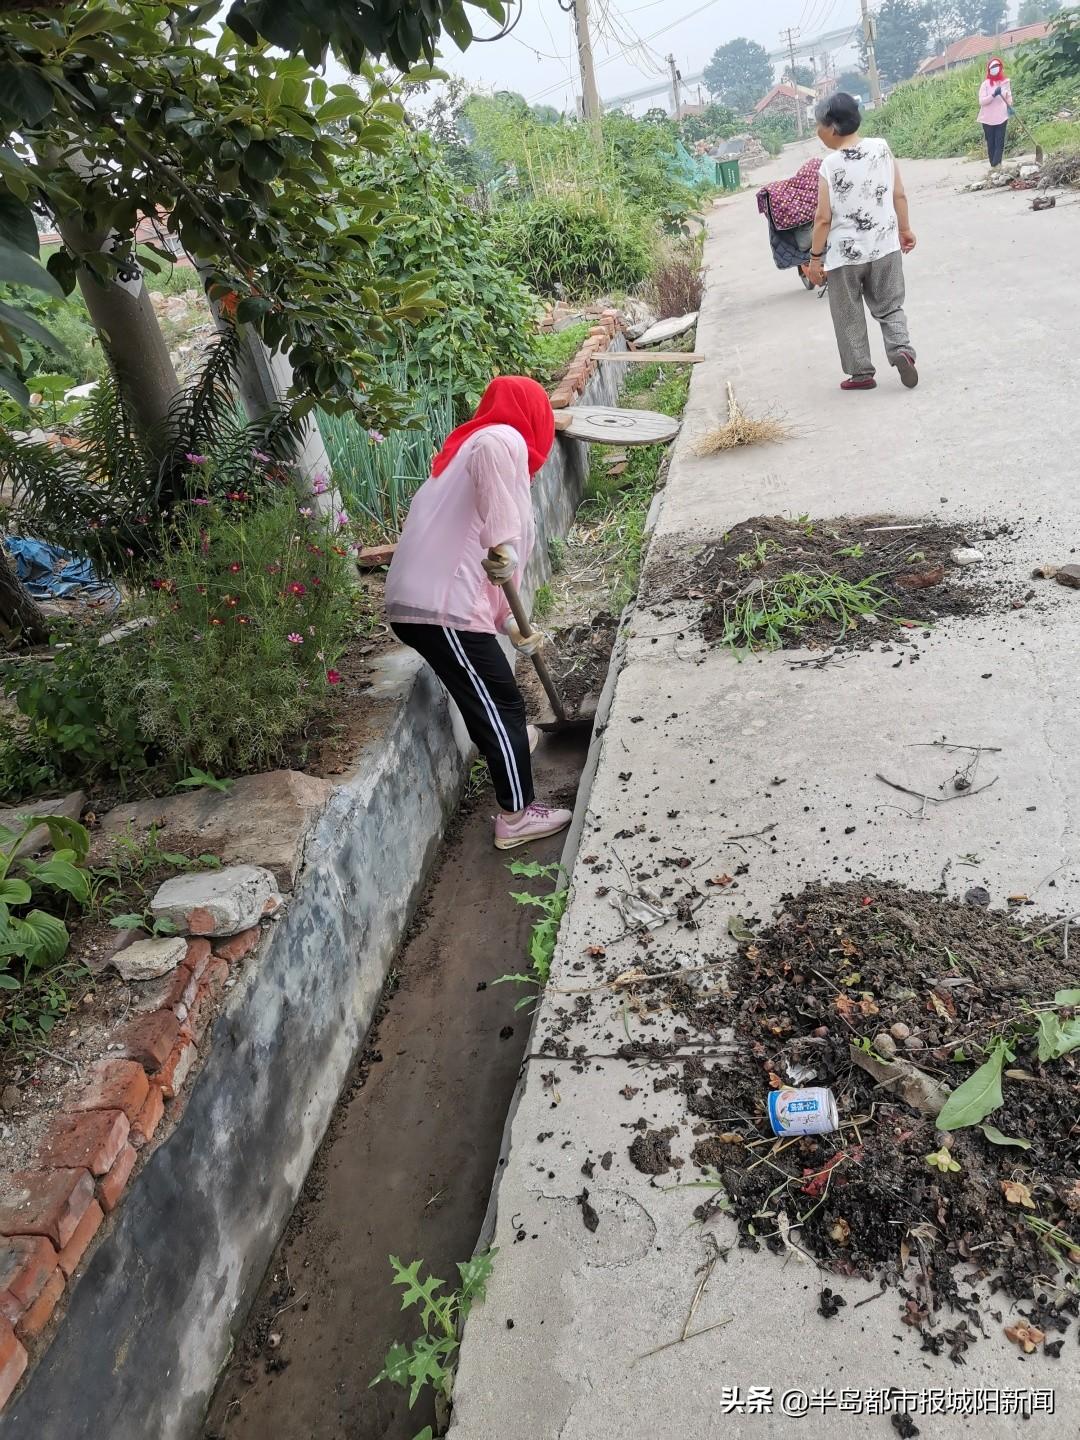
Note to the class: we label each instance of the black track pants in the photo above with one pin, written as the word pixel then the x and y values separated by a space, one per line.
pixel 481 683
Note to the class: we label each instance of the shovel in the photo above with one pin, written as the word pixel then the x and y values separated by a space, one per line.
pixel 1039 156
pixel 560 721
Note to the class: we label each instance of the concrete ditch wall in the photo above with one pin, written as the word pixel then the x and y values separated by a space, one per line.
pixel 151 1320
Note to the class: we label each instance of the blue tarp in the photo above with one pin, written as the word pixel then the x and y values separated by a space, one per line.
pixel 50 573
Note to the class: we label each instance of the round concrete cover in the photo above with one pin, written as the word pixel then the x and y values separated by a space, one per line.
pixel 605 425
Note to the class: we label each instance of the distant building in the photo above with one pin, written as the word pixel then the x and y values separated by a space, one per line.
pixel 784 100
pixel 688 110
pixel 974 47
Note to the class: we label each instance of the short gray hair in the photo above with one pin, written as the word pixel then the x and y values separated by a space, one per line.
pixel 839 113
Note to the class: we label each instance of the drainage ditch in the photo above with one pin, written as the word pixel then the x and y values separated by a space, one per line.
pixel 407 1162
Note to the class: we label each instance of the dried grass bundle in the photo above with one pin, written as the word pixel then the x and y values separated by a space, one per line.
pixel 741 430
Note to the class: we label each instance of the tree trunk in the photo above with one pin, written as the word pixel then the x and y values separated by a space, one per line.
pixel 21 617
pixel 123 316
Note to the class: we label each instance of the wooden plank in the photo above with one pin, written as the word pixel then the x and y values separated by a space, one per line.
pixel 651 357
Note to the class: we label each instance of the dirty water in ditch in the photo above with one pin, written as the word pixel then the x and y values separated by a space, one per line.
pixel 407 1164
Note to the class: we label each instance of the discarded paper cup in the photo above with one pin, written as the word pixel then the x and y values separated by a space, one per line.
pixel 803 1112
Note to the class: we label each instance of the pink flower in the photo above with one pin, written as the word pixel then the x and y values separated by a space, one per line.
pixel 306 511
pixel 274 569
pixel 195 459
pixel 376 437
pixel 342 519
pixel 319 485
pixel 235 567
pixel 243 619
pixel 333 677
pixel 296 589
pixel 262 457
pixel 295 639
pixel 200 500
pixel 231 601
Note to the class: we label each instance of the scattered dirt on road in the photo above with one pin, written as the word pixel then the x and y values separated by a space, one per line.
pixel 922 991
pixel 887 579
pixel 407 1162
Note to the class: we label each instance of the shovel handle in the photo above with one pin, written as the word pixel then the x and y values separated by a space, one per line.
pixel 513 599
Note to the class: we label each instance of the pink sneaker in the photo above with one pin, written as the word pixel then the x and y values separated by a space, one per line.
pixel 534 823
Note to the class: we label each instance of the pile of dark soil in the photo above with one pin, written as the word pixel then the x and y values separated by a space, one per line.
pixel 914 579
pixel 865 973
pixel 578 659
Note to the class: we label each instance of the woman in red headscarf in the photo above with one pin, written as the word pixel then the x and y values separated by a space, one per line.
pixel 469 530
pixel 995 107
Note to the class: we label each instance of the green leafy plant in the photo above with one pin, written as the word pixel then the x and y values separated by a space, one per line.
pixel 556 351
pixel 128 875
pixel 544 935
pixel 378 474
pixel 981 1093
pixel 566 245
pixel 481 317
pixel 942 1160
pixel 777 609
pixel 36 939
pixel 429 1359
pixel 202 779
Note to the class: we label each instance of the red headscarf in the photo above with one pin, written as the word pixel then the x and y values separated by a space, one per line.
pixel 996 79
pixel 513 400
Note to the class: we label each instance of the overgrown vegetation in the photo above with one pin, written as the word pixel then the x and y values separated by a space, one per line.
pixel 377 474
pixel 616 506
pixel 556 351
pixel 483 319
pixel 243 621
pixel 33 939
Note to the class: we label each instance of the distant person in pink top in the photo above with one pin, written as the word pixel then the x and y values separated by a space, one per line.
pixel 469 530
pixel 995 107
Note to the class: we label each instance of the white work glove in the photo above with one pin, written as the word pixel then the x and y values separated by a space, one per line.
pixel 500 564
pixel 524 644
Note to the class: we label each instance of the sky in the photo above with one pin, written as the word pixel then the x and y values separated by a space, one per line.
pixel 631 39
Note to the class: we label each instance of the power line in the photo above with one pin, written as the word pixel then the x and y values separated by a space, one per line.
pixel 540 95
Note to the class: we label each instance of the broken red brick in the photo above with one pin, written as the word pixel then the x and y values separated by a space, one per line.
pixel 372 556
pixel 46 1202
pixel 238 947
pixel 200 921
pixel 561 397
pixel 33 1321
pixel 170 1078
pixel 26 1262
pixel 182 993
pixel 89 1138
pixel 111 1186
pixel 216 976
pixel 148 1118
pixel 115 1085
pixel 76 1247
pixel 198 957
pixel 150 1038
pixel 12 1361
pixel 200 1014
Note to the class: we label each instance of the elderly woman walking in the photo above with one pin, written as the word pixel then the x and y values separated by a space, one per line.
pixel 995 107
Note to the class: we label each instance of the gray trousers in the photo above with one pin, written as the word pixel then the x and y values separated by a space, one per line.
pixel 880 283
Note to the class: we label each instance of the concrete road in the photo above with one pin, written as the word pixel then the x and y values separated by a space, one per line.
pixel 991 436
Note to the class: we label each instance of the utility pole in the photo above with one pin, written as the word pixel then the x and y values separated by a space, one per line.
pixel 869 30
pixel 590 96
pixel 791 36
pixel 675 81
